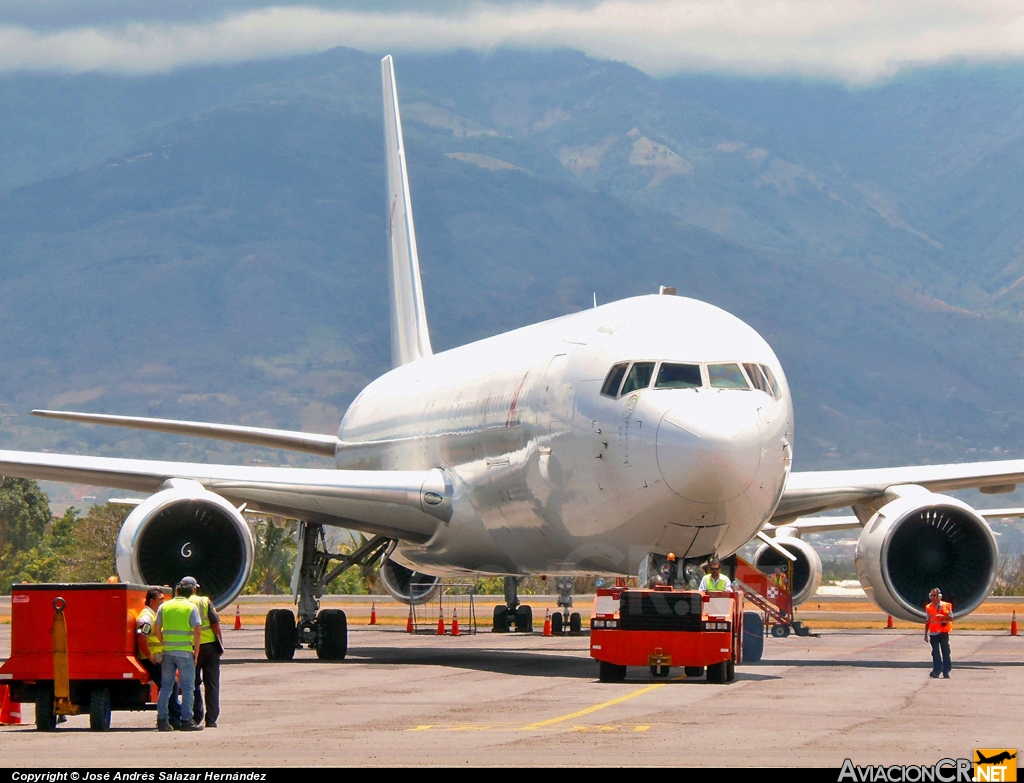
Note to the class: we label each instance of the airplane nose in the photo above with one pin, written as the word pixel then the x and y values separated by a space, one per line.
pixel 710 449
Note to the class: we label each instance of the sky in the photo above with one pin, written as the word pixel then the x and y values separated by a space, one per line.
pixel 849 41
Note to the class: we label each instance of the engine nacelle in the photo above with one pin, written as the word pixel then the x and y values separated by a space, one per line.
pixel 922 540
pixel 406 585
pixel 187 531
pixel 806 570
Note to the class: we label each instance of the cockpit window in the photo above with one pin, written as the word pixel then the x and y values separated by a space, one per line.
pixel 727 376
pixel 678 376
pixel 771 380
pixel 614 380
pixel 757 378
pixel 639 377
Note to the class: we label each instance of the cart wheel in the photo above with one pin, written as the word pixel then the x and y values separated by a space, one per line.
pixel 730 671
pixel 660 671
pixel 717 672
pixel 575 624
pixel 45 719
pixel 609 672
pixel 556 624
pixel 333 626
pixel 279 635
pixel 780 631
pixel 693 671
pixel 99 710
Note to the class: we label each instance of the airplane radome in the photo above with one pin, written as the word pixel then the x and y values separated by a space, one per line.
pixel 595 443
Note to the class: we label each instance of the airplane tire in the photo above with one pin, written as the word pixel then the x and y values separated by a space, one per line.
pixel 279 635
pixel 333 626
pixel 99 709
pixel 557 628
pixel 610 672
pixel 575 624
pixel 753 637
pixel 717 672
pixel 524 619
pixel 500 619
pixel 693 671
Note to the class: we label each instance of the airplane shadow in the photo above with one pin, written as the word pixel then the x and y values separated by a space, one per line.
pixel 518 662
pixel 886 664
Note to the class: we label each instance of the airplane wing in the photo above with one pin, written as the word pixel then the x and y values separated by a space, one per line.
pixel 806 525
pixel 406 504
pixel 817 491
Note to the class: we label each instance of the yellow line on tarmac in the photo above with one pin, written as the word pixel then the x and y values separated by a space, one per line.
pixel 541 724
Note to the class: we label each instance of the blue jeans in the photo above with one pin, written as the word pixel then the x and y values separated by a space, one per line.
pixel 182 664
pixel 941 663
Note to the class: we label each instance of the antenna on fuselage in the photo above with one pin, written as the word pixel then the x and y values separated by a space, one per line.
pixel 410 338
pixel 595 300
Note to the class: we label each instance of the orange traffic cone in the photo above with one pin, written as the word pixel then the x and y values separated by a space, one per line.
pixel 888 623
pixel 440 622
pixel 547 623
pixel 238 617
pixel 10 711
pixel 1013 624
pixel 408 623
pixel 373 613
pixel 455 623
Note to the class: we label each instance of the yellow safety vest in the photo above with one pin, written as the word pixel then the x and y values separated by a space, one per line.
pixel 722 583
pixel 176 629
pixel 147 618
pixel 206 634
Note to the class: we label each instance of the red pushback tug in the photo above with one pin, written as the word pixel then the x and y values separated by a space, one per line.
pixel 662 627
pixel 73 651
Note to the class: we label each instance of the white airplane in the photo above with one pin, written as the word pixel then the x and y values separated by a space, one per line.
pixel 598 442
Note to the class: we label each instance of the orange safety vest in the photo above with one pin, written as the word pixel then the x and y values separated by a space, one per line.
pixel 938 624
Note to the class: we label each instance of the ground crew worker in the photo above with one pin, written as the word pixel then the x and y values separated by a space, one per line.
pixel 936 631
pixel 151 650
pixel 177 628
pixel 715 581
pixel 211 647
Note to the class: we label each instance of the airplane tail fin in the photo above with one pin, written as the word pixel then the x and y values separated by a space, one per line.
pixel 410 339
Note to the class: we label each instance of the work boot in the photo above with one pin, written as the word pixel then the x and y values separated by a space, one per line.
pixel 191 725
pixel 211 724
pixel 162 724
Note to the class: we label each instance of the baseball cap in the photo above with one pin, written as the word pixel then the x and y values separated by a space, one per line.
pixel 188 581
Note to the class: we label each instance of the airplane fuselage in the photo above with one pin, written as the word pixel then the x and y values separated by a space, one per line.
pixel 552 476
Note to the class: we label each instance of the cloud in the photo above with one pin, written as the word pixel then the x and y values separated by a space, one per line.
pixel 845 40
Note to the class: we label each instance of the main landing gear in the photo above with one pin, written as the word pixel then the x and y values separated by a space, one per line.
pixel 564 620
pixel 512 613
pixel 323 630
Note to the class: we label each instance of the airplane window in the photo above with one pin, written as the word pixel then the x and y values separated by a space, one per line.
pixel 678 376
pixel 614 380
pixel 639 377
pixel 727 376
pixel 757 378
pixel 771 379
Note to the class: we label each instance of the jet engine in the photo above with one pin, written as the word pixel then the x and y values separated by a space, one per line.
pixel 806 570
pixel 187 531
pixel 406 585
pixel 922 540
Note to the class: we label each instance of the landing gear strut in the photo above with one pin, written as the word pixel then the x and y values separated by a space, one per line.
pixel 325 631
pixel 563 617
pixel 512 613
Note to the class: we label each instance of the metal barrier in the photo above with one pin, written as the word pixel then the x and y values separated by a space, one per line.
pixel 438 616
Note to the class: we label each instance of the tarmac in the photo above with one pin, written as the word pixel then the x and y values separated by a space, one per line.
pixel 519 700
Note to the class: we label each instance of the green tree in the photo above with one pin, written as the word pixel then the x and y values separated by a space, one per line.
pixel 274 550
pixel 24 514
pixel 86 545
